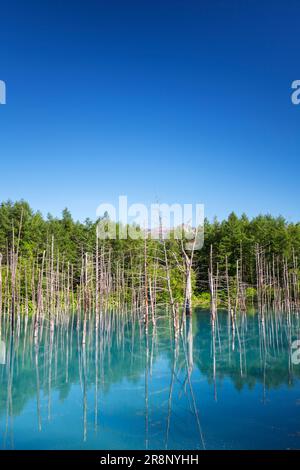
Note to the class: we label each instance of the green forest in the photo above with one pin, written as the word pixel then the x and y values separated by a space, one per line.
pixel 59 258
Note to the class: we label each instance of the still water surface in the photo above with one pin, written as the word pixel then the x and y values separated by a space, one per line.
pixel 227 387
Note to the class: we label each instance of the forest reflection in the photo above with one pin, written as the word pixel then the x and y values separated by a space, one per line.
pixel 98 353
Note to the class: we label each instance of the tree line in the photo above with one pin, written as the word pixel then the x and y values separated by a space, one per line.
pixel 54 258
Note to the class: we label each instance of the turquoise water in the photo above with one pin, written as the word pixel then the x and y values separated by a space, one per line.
pixel 210 388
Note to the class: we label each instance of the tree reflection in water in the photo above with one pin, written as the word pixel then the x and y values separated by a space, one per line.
pixel 100 353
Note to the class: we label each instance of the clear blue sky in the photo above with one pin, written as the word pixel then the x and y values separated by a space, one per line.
pixel 176 101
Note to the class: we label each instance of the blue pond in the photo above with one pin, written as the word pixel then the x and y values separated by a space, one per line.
pixel 228 386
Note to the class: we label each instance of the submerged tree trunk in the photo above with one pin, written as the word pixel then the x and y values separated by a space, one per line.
pixel 213 305
pixel 188 285
pixel 188 264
